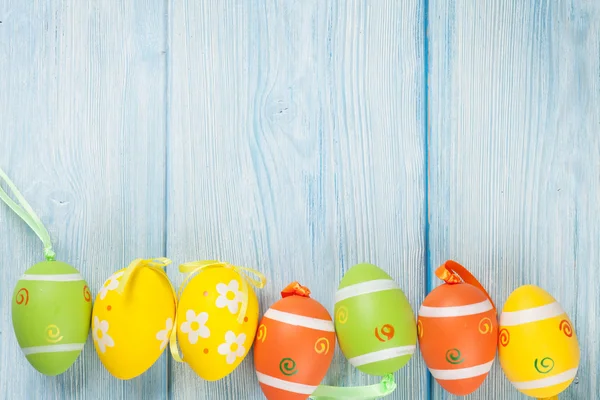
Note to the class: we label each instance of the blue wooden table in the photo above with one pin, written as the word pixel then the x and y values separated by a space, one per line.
pixel 300 138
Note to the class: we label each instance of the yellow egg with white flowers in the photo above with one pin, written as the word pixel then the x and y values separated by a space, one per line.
pixel 537 347
pixel 132 318
pixel 217 317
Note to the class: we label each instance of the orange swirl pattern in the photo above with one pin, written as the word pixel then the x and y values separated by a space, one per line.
pixel 262 333
pixel 86 294
pixel 485 326
pixel 322 346
pixel 387 330
pixel 504 337
pixel 22 296
pixel 419 329
pixel 566 328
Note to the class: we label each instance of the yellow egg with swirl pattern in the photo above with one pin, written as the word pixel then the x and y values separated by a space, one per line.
pixel 214 332
pixel 537 347
pixel 132 318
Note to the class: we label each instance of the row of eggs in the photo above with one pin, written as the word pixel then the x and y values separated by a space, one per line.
pixel 457 329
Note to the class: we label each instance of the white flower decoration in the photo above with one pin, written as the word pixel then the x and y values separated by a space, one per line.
pixel 229 296
pixel 233 346
pixel 111 284
pixel 100 334
pixel 163 335
pixel 195 326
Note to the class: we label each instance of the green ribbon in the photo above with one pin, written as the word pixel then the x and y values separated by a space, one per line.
pixel 381 389
pixel 24 210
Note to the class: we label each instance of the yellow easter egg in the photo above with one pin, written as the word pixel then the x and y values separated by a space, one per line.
pixel 212 340
pixel 131 329
pixel 538 348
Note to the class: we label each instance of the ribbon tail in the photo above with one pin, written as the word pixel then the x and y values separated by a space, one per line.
pixel 26 213
pixel 262 279
pixel 244 305
pixel 467 277
pixel 381 389
pixel 173 343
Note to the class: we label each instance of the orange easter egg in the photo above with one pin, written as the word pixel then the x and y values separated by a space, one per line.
pixel 294 346
pixel 458 335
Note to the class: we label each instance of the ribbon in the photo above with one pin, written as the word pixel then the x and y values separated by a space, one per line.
pixel 24 210
pixel 381 389
pixel 192 268
pixel 295 289
pixel 453 273
pixel 156 264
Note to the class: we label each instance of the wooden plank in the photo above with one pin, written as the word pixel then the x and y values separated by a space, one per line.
pixel 297 147
pixel 82 129
pixel 514 154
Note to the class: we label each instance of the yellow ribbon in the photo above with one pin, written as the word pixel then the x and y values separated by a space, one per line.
pixel 192 268
pixel 156 264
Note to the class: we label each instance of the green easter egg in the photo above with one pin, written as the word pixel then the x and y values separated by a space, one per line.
pixel 374 321
pixel 51 311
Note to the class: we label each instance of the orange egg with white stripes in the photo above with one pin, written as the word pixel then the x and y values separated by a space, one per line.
pixel 294 345
pixel 538 349
pixel 458 331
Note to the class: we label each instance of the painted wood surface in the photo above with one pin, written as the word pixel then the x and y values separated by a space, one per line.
pixel 514 157
pixel 296 138
pixel 82 123
pixel 300 138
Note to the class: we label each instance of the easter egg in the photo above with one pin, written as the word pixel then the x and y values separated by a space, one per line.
pixel 458 335
pixel 294 347
pixel 374 321
pixel 51 310
pixel 131 329
pixel 538 349
pixel 212 340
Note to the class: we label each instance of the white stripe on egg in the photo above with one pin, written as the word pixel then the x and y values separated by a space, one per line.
pixel 56 348
pixel 546 382
pixel 382 355
pixel 462 373
pixel 284 385
pixel 455 311
pixel 300 320
pixel 53 278
pixel 359 289
pixel 513 318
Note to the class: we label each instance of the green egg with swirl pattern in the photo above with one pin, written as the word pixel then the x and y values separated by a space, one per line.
pixel 374 321
pixel 51 311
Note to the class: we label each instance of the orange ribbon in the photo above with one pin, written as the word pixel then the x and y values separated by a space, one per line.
pixel 295 289
pixel 453 273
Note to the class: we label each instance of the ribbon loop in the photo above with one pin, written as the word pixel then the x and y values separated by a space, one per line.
pixel 26 213
pixel 156 264
pixel 452 273
pixel 381 389
pixel 192 268
pixel 295 289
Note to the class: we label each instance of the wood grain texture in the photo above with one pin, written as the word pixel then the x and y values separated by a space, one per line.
pixel 291 137
pixel 296 144
pixel 514 157
pixel 82 133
